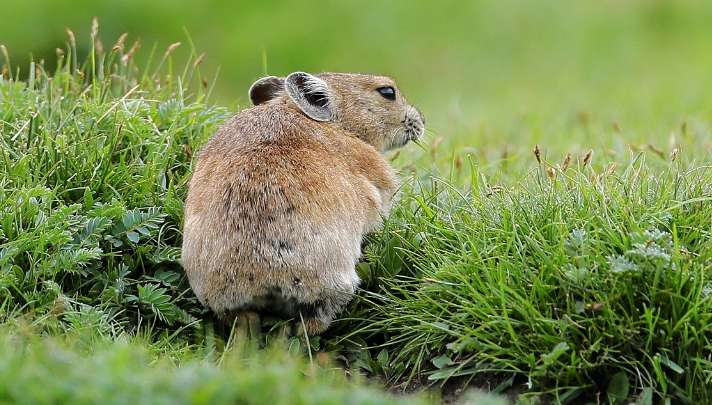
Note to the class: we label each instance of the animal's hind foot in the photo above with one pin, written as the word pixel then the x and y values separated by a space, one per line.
pixel 316 317
pixel 312 326
pixel 244 324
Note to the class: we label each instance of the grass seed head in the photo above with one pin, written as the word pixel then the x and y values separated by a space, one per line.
pixel 566 163
pixel 119 45
pixel 5 54
pixel 673 154
pixel 172 47
pixel 537 153
pixel 199 60
pixel 134 48
pixel 655 150
pixel 72 38
pixel 551 172
pixel 94 28
pixel 587 157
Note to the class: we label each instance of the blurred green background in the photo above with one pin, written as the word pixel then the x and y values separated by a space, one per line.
pixel 491 76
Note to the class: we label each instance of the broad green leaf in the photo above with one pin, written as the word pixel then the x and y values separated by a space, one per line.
pixel 618 387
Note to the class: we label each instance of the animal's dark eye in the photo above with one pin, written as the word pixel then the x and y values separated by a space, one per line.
pixel 387 92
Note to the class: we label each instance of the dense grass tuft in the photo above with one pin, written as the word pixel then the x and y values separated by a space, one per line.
pixel 95 158
pixel 589 282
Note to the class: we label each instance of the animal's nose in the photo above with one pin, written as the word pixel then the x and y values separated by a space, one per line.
pixel 420 114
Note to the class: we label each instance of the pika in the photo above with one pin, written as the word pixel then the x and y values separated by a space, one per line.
pixel 284 192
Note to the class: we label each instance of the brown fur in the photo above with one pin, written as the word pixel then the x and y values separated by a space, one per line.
pixel 279 202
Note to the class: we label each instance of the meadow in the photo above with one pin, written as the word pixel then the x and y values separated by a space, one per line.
pixel 551 243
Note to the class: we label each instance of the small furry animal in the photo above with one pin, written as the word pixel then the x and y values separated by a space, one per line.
pixel 284 192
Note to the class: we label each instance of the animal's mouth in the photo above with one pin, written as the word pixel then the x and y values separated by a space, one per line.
pixel 414 124
pixel 414 129
pixel 415 133
pixel 407 134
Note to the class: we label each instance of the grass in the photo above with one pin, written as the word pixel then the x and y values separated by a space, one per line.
pixel 586 282
pixel 560 275
pixel 95 160
pixel 82 369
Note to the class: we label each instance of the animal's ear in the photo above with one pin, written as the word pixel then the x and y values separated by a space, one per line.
pixel 265 89
pixel 311 94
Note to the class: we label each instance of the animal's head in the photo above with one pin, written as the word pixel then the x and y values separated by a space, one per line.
pixel 370 107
